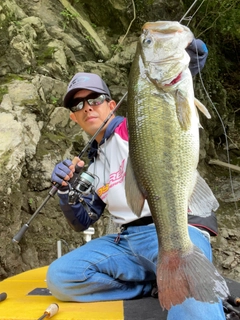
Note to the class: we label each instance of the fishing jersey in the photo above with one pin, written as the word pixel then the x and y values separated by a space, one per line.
pixel 108 162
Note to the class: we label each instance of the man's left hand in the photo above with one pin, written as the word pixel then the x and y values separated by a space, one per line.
pixel 198 53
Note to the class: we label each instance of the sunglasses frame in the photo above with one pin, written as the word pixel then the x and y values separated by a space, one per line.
pixel 91 101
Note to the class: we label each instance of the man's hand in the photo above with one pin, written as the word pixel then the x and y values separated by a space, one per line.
pixel 198 53
pixel 64 171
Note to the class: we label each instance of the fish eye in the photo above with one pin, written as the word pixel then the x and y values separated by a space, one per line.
pixel 147 41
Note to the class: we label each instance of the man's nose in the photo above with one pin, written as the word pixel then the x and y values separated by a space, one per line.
pixel 87 107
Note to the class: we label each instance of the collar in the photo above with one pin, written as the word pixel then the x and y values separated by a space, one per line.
pixel 115 122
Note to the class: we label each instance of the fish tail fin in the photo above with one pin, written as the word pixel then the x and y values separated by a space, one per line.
pixel 188 275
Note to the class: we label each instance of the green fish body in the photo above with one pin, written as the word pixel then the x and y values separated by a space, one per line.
pixel 163 127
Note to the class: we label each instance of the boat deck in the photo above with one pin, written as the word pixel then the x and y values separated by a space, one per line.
pixel 28 298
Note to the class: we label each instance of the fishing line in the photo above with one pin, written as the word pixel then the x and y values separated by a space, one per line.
pixel 210 100
pixel 225 134
pixel 191 17
pixel 223 126
pixel 193 4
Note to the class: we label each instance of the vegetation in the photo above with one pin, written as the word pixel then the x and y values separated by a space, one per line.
pixel 68 17
pixel 45 54
pixel 3 91
pixel 217 22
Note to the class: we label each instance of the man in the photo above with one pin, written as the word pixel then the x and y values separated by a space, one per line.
pixel 113 267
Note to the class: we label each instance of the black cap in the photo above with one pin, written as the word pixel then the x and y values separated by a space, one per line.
pixel 82 80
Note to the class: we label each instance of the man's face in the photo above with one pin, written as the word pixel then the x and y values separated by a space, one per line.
pixel 90 118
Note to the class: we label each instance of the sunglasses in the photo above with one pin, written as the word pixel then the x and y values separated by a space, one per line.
pixel 93 99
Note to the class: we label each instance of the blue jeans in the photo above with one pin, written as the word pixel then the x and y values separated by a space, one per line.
pixel 102 270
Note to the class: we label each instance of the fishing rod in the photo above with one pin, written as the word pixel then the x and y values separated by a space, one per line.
pixel 55 187
pixel 192 5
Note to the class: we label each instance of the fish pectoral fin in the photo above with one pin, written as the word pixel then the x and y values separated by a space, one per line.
pixel 202 200
pixel 202 108
pixel 135 197
pixel 183 109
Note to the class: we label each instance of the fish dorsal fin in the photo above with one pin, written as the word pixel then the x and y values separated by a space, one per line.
pixel 202 108
pixel 183 109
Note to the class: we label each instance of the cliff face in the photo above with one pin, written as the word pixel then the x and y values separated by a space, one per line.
pixel 43 44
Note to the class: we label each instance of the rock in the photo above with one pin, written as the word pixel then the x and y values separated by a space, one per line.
pixel 227 262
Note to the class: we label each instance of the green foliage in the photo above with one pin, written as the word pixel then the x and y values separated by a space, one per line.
pixel 45 55
pixel 54 100
pixel 215 18
pixel 10 77
pixel 217 22
pixel 68 17
pixel 10 17
pixel 73 2
pixel 141 5
pixel 94 25
pixel 89 38
pixel 3 91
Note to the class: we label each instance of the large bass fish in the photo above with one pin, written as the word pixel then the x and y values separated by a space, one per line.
pixel 163 126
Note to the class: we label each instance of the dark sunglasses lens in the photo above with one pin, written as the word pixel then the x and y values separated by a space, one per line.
pixel 77 107
pixel 97 101
pixel 76 101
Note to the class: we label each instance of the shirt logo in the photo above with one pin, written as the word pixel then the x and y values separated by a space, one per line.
pixel 103 190
pixel 114 179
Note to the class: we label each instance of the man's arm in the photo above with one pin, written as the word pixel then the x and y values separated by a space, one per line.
pixel 83 213
pixel 77 216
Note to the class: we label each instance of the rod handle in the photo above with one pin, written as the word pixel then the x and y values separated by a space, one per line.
pixel 51 310
pixel 20 233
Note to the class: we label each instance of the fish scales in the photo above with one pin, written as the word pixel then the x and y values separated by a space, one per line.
pixel 163 128
pixel 154 141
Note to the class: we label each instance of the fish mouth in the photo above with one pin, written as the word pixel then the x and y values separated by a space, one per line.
pixel 175 80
